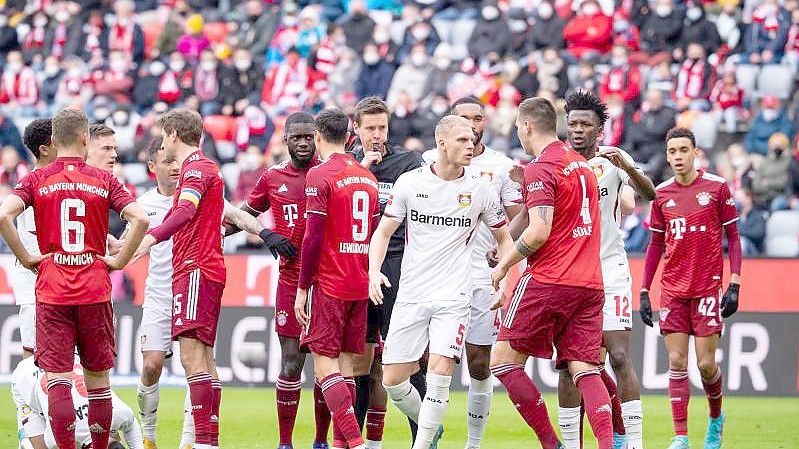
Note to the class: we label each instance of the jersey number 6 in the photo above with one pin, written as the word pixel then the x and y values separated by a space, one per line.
pixel 68 227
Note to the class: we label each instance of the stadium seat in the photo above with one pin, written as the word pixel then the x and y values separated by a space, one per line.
pixel 746 76
pixel 230 172
pixel 775 79
pixel 216 32
pixel 705 130
pixel 782 234
pixel 226 150
pixel 135 173
pixel 220 127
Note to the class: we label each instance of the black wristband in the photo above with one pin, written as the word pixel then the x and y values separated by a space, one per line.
pixel 734 287
pixel 265 234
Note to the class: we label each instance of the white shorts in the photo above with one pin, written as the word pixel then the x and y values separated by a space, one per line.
pixel 483 322
pixel 27 326
pixel 442 324
pixel 618 308
pixel 155 332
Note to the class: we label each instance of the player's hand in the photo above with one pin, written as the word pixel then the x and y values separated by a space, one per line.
pixel 516 174
pixel 144 247
pixel 376 283
pixel 371 157
pixel 616 159
pixel 493 258
pixel 114 245
pixel 729 302
pixel 299 306
pixel 112 262
pixel 277 244
pixel 33 260
pixel 498 275
pixel 646 308
pixel 500 296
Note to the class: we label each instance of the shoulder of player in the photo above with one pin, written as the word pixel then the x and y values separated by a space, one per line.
pixel 665 184
pixel 430 156
pixel 710 177
pixel 411 158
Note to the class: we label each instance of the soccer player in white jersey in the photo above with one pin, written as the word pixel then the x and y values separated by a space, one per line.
pixel 155 333
pixel 494 168
pixel 617 176
pixel 30 399
pixel 443 206
pixel 23 281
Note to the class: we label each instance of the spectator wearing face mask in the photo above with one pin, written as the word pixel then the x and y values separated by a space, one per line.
pixel 358 26
pixel 70 88
pixel 285 86
pixel 51 80
pixel 386 47
pixel 770 178
pixel 410 77
pixel 752 225
pixel 310 33
pixel 125 122
pixel 207 84
pixel 646 132
pixel 148 86
pixel 615 124
pixel 520 31
pixel 548 28
pixel 424 122
pixel 19 88
pixel 792 44
pixel 64 34
pixel 420 33
pixel 697 28
pixel 13 169
pixel 730 28
pixel 34 44
pixel 694 80
pixel 660 31
pixel 771 119
pixel 167 42
pixel 251 165
pixel 285 38
pixel 728 100
pixel 623 79
pixel 254 128
pixel 551 72
pixel 341 81
pixel 625 33
pixel 442 73
pixel 329 49
pixel 124 34
pixel 765 38
pixel 257 27
pixel 375 76
pixel 90 38
pixel 241 84
pixel 8 36
pixel 589 32
pixel 403 115
pixel 491 34
pixel 115 79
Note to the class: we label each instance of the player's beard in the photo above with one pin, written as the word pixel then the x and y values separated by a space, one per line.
pixel 300 163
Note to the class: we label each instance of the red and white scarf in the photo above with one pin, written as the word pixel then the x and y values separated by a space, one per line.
pixel 60 40
pixel 168 89
pixel 691 79
pixel 20 87
pixel 617 80
pixel 35 38
pixel 120 37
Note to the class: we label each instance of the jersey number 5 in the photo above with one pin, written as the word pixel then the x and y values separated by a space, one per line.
pixel 72 231
pixel 360 215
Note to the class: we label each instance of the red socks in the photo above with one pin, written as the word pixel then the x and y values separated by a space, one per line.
pixel 216 390
pixel 679 394
pixel 339 400
pixel 100 416
pixel 597 406
pixel 288 400
pixel 202 403
pixel 374 423
pixel 615 402
pixel 321 413
pixel 528 401
pixel 61 411
pixel 713 392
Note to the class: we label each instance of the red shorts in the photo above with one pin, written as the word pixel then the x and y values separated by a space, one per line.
pixel 700 317
pixel 59 329
pixel 196 302
pixel 286 324
pixel 542 315
pixel 335 325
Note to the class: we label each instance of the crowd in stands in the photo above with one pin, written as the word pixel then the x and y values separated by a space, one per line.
pixel 725 69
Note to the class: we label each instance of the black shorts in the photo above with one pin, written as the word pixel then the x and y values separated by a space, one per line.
pixel 391 268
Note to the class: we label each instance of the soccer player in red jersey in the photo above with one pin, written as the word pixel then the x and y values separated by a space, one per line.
pixel 73 291
pixel 282 189
pixel 688 215
pixel 198 279
pixel 558 301
pixel 343 211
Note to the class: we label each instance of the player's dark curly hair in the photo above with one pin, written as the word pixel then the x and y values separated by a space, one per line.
pixel 298 117
pixel 38 133
pixel 585 100
pixel 676 133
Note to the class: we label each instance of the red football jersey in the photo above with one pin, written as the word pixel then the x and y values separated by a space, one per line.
pixel 562 178
pixel 282 189
pixel 70 203
pixel 347 194
pixel 199 243
pixel 692 218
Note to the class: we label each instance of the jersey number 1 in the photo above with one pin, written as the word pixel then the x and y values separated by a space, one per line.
pixel 360 215
pixel 73 243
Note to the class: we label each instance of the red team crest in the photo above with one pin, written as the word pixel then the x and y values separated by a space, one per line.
pixel 465 199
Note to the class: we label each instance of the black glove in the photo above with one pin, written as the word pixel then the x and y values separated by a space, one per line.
pixel 729 302
pixel 278 244
pixel 646 308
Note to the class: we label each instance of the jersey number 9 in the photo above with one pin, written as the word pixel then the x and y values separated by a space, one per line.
pixel 360 215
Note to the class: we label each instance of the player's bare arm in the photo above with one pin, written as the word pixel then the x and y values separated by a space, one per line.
pixel 639 181
pixel 245 219
pixel 377 253
pixel 533 238
pixel 11 208
pixel 729 302
pixel 504 247
pixel 135 216
pixel 627 200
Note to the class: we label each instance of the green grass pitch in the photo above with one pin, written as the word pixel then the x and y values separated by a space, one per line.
pixel 249 421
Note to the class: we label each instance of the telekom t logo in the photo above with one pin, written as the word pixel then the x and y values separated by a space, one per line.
pixel 677 227
pixel 290 214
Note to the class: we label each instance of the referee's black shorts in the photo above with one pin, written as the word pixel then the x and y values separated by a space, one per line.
pixel 379 317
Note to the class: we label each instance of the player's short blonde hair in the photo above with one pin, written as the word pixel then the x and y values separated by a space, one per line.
pixel 448 122
pixel 68 127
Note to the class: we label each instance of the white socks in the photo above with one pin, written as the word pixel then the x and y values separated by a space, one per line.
pixel 406 398
pixel 569 422
pixel 148 398
pixel 374 444
pixel 633 415
pixel 433 408
pixel 187 438
pixel 478 408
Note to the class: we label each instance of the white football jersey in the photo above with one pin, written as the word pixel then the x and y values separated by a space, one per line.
pixel 611 180
pixel 28 384
pixel 158 286
pixel 494 168
pixel 24 280
pixel 441 218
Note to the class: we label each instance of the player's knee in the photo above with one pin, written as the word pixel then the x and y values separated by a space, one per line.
pixel 479 368
pixel 292 366
pixel 193 362
pixel 619 359
pixel 678 360
pixel 707 367
pixel 151 370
